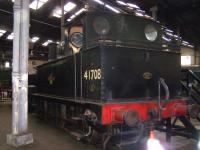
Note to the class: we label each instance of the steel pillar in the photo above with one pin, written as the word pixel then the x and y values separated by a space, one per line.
pixel 19 135
pixel 64 52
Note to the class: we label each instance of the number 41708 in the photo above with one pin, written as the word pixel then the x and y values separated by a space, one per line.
pixel 93 74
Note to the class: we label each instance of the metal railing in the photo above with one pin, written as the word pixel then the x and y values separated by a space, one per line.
pixel 191 84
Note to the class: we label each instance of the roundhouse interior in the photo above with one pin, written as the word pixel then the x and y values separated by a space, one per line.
pixel 99 74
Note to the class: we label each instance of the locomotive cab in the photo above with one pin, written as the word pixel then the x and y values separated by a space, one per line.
pixel 127 50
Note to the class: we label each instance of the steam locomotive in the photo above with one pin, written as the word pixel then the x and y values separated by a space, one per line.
pixel 116 84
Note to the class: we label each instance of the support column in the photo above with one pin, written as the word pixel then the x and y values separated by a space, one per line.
pixel 64 52
pixel 62 21
pixel 20 135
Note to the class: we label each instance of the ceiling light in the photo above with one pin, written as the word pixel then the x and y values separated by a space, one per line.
pixel 170 34
pixel 121 3
pixel 185 42
pixel 35 39
pixel 99 1
pixel 69 6
pixel 36 4
pixel 147 16
pixel 191 46
pixel 164 45
pixel 71 18
pixel 166 39
pixel 76 14
pixel 168 30
pixel 107 6
pixel 58 13
pixel 43 1
pixel 1 34
pixel 10 36
pixel 133 5
pixel 141 11
pixel 113 9
pixel 68 20
pixel 80 11
pixel 7 64
pixel 139 14
pixel 47 43
pixel 176 36
pixel 2 31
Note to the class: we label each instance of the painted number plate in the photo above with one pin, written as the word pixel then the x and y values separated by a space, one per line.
pixel 92 74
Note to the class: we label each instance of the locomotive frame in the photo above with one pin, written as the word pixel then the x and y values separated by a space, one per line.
pixel 113 88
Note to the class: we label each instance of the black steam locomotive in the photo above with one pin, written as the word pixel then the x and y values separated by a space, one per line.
pixel 116 85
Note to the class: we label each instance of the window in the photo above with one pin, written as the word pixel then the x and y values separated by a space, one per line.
pixel 186 60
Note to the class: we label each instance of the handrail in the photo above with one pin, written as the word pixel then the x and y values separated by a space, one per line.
pixel 192 95
pixel 194 76
pixel 196 90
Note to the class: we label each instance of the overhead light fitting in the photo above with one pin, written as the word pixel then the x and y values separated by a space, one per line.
pixel 67 8
pixel 35 39
pixel 191 46
pixel 2 32
pixel 166 39
pixel 7 64
pixel 47 43
pixel 139 14
pixel 133 5
pixel 107 6
pixel 57 13
pixel 168 30
pixel 185 42
pixel 112 8
pixel 10 36
pixel 99 1
pixel 121 2
pixel 170 34
pixel 36 4
pixel 76 14
pixel 80 11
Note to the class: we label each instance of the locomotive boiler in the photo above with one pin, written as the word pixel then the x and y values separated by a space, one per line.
pixel 118 86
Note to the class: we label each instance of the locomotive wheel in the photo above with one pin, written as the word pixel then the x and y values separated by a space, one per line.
pixel 95 138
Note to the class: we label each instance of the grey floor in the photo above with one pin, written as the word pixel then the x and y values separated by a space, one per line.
pixel 47 137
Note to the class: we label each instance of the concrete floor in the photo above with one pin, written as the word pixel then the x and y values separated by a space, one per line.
pixel 47 137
